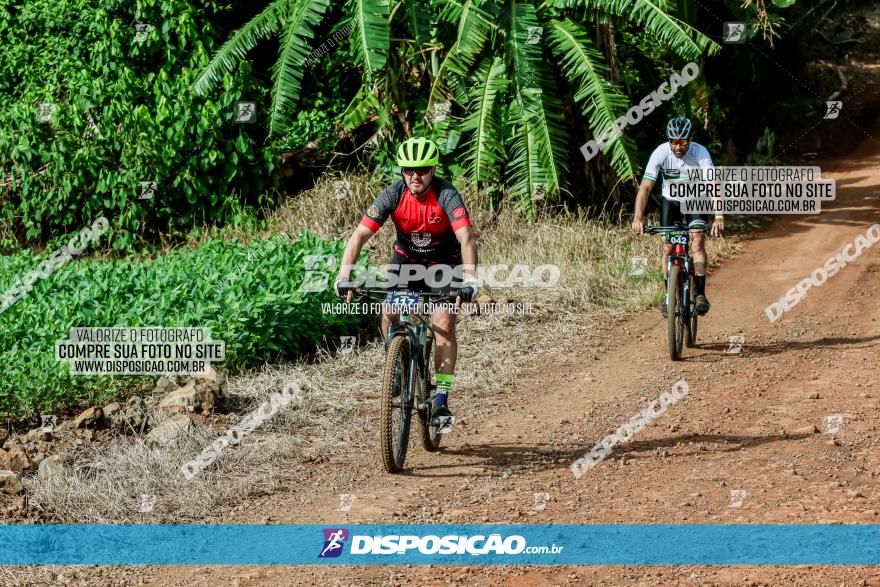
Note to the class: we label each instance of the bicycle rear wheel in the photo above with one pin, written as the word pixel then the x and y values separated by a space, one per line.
pixel 430 434
pixel 691 322
pixel 675 319
pixel 395 405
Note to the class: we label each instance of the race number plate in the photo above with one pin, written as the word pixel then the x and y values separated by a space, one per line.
pixel 678 239
pixel 406 301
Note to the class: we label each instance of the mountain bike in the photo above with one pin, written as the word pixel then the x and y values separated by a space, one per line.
pixel 406 377
pixel 681 325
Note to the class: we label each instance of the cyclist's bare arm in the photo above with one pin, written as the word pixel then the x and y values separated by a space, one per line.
pixel 370 223
pixel 718 223
pixel 645 188
pixel 352 250
pixel 468 241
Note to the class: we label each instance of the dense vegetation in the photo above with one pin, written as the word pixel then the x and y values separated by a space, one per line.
pixel 498 84
pixel 248 296
pixel 103 99
pixel 510 90
pixel 123 114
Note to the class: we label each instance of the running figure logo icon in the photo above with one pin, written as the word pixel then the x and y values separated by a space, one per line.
pixel 534 35
pixel 334 540
pixel 833 109
pixel 441 109
pixel 734 32
pixel 245 112
pixel 639 266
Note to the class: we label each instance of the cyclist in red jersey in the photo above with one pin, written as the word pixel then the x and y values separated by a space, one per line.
pixel 433 228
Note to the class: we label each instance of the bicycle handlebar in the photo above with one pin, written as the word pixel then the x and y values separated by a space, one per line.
pixel 676 228
pixel 376 292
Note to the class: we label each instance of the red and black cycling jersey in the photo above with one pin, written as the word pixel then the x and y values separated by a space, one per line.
pixel 425 225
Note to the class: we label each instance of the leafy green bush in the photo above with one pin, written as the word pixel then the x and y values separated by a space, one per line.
pixel 124 114
pixel 315 121
pixel 247 296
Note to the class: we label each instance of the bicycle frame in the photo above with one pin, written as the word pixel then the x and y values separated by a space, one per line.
pixel 681 317
pixel 419 329
pixel 421 334
pixel 680 256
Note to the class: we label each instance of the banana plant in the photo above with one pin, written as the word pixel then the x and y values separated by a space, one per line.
pixel 295 22
pixel 517 58
pixel 501 72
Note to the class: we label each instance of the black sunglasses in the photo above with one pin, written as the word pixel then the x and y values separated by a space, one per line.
pixel 418 170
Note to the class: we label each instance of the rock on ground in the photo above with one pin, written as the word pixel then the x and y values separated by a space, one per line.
pixel 10 482
pixel 15 460
pixel 50 466
pixel 89 419
pixel 169 431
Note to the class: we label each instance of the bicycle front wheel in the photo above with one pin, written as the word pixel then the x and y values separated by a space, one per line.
pixel 691 322
pixel 675 319
pixel 396 405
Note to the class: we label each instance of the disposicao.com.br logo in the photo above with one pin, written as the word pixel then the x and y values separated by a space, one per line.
pixel 334 540
pixel 452 544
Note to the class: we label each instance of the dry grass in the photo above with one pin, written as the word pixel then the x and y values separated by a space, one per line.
pixel 106 485
pixel 331 217
pixel 337 412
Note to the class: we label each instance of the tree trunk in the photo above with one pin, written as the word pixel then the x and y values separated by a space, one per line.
pixel 608 47
pixel 602 185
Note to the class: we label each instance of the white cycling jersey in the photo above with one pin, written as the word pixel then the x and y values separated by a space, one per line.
pixel 664 164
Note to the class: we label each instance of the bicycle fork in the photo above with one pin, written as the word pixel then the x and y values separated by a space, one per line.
pixel 423 339
pixel 679 257
pixel 686 288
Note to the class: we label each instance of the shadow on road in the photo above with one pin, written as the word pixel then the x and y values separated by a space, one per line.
pixel 774 348
pixel 536 458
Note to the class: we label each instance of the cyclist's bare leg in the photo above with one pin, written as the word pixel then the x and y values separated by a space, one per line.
pixel 698 252
pixel 445 345
pixel 445 353
pixel 388 318
pixel 667 250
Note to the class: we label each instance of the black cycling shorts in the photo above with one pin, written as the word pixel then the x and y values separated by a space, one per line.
pixel 670 214
pixel 421 285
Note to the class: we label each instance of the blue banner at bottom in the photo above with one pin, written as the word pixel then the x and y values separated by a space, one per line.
pixel 466 544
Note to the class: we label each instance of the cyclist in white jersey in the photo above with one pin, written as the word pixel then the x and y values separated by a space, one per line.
pixel 670 161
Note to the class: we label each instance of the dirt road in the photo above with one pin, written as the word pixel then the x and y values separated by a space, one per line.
pixel 751 443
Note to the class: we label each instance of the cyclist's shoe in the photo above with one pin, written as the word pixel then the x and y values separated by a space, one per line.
pixel 664 309
pixel 701 305
pixel 443 419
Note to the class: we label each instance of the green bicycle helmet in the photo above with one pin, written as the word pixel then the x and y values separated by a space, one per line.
pixel 418 152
